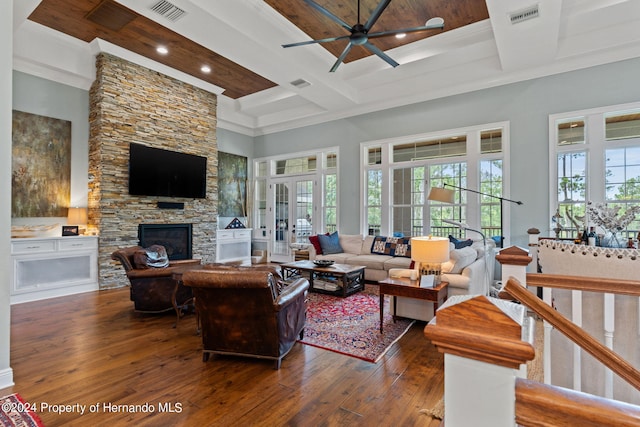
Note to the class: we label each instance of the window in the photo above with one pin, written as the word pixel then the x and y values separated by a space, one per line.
pixel 374 202
pixel 330 193
pixel 597 158
pixel 400 172
pixel 301 187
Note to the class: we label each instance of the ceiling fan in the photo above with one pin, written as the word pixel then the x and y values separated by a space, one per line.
pixel 360 35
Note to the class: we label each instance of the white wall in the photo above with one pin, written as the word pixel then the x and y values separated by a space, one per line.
pixel 50 99
pixel 6 61
pixel 526 105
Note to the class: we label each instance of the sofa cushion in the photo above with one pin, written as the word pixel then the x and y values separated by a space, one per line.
pixel 351 243
pixel 330 244
pixel 371 261
pixel 457 280
pixel 366 245
pixel 459 244
pixel 397 262
pixel 459 259
pixel 392 246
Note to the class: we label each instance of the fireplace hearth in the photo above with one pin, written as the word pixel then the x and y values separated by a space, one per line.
pixel 176 238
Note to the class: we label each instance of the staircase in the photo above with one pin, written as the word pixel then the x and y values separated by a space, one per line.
pixel 484 355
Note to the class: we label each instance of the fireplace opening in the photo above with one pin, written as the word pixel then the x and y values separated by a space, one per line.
pixel 176 238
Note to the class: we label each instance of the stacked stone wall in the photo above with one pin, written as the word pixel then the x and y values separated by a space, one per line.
pixel 130 103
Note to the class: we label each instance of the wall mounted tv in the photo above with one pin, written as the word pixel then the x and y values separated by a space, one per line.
pixel 158 172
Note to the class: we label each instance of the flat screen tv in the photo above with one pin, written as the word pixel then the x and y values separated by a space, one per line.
pixel 158 172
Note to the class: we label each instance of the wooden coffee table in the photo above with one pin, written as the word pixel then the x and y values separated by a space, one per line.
pixel 403 287
pixel 348 278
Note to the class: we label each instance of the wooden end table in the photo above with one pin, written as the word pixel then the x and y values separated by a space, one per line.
pixel 402 287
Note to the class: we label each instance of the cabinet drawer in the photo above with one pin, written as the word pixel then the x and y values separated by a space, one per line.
pixel 33 246
pixel 242 234
pixel 73 244
pixel 225 234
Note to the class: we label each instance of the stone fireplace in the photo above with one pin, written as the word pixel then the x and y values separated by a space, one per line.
pixel 130 103
pixel 176 238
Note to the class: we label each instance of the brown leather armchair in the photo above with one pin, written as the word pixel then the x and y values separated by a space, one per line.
pixel 152 289
pixel 244 311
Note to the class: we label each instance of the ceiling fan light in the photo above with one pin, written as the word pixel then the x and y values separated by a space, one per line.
pixel 435 21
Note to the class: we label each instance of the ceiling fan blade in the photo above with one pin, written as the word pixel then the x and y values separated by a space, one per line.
pixel 341 58
pixel 405 30
pixel 330 39
pixel 381 54
pixel 328 14
pixel 376 13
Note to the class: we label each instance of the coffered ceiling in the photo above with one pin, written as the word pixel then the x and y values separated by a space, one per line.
pixel 265 88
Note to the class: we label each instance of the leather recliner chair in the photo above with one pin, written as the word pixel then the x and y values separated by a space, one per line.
pixel 246 312
pixel 152 289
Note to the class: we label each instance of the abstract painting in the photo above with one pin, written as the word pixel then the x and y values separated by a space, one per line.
pixel 232 185
pixel 41 166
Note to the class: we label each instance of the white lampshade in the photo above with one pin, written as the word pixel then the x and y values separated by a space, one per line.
pixel 77 216
pixel 440 194
pixel 430 249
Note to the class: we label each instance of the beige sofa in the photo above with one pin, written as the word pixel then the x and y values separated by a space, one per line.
pixel 469 271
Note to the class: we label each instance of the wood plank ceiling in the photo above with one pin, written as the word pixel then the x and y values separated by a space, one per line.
pixel 110 21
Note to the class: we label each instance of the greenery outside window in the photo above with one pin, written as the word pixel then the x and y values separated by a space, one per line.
pixel 597 155
pixel 398 183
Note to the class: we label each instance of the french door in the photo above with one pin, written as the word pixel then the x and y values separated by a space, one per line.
pixel 292 209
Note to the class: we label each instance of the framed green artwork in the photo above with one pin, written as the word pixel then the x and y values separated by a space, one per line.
pixel 41 166
pixel 232 185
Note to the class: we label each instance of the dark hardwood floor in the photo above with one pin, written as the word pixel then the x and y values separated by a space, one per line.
pixel 92 349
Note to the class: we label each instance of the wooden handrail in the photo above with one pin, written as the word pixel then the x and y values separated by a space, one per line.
pixel 546 405
pixel 588 284
pixel 576 334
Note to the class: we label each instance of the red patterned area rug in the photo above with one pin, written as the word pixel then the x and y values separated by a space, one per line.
pixel 351 325
pixel 15 412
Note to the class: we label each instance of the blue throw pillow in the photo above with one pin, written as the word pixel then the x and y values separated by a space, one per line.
pixel 330 244
pixel 459 244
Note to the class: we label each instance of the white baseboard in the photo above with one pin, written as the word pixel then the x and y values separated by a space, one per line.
pixel 53 293
pixel 6 378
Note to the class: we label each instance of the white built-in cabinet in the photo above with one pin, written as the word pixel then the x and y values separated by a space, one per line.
pixel 234 245
pixel 46 267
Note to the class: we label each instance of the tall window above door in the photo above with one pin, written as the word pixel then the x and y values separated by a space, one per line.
pixel 399 173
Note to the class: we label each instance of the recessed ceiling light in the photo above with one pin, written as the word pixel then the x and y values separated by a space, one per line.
pixel 162 50
pixel 205 69
pixel 401 35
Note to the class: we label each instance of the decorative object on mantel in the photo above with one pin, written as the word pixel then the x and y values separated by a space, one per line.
pixel 610 219
pixel 235 223
pixel 22 231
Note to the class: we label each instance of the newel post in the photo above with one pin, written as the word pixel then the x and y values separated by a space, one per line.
pixel 481 338
pixel 514 261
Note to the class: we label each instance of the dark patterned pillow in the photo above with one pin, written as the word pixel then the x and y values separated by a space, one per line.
pixel 392 246
pixel 403 247
pixel 459 244
pixel 380 246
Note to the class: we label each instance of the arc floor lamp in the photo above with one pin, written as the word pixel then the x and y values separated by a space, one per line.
pixel 442 194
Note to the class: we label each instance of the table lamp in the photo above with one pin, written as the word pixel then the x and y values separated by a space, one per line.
pixel 429 253
pixel 77 216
